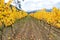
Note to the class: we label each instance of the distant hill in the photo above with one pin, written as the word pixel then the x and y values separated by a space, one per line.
pixel 48 10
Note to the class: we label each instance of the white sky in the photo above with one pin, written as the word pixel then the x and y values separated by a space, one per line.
pixel 30 5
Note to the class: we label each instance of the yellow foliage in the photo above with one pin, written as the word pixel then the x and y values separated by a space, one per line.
pixel 8 15
pixel 8 4
pixel 0 23
pixel 50 17
pixel 31 14
pixel 57 25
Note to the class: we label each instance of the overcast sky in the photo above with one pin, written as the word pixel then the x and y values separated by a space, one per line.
pixel 30 5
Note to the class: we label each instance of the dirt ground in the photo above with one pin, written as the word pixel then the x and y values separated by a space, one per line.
pixel 31 29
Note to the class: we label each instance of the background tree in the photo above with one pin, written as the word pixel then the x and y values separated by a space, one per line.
pixel 18 3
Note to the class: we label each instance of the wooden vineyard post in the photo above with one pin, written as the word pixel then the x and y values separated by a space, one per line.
pixel 49 32
pixel 12 31
pixel 1 32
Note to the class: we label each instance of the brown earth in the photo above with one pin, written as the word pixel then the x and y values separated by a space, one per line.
pixel 31 29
